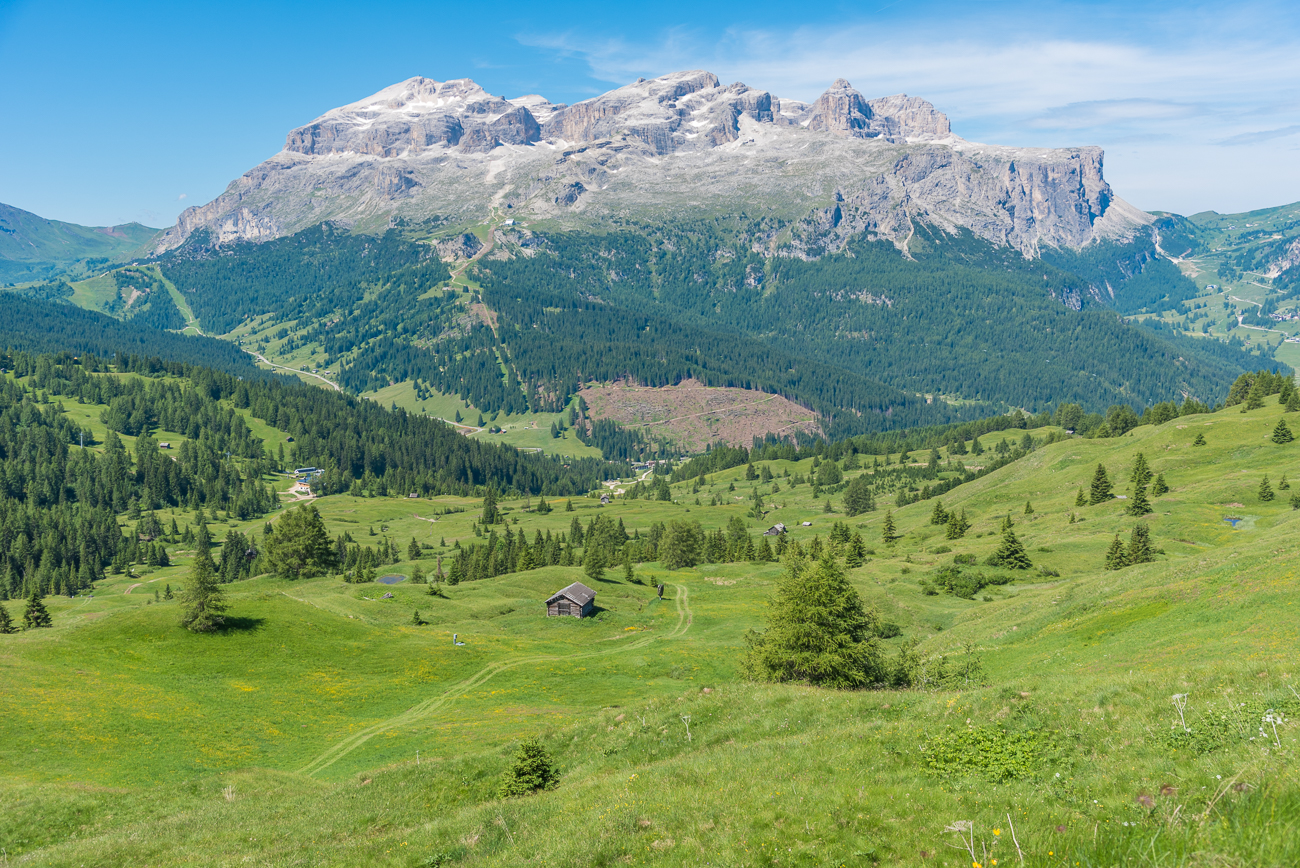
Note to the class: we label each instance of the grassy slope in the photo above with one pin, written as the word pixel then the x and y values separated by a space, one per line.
pixel 123 732
pixel 29 238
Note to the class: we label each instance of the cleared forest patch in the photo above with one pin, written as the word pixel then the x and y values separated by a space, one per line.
pixel 693 415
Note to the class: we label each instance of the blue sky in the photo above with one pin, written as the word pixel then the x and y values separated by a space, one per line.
pixel 133 111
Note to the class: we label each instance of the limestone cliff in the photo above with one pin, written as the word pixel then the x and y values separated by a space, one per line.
pixel 661 149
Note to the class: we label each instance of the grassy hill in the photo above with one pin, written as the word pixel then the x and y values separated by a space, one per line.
pixel 1048 718
pixel 32 247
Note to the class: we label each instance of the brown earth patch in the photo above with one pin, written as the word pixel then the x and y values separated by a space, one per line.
pixel 693 415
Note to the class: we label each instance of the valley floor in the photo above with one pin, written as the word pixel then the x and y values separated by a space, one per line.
pixel 1074 717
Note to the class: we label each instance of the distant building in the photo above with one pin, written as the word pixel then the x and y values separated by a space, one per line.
pixel 775 530
pixel 807 524
pixel 604 499
pixel 164 444
pixel 577 601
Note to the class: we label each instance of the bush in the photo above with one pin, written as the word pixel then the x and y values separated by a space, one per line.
pixel 964 559
pixel 532 771
pixel 941 550
pixel 989 751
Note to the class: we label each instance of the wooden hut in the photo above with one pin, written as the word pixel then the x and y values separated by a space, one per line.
pixel 576 600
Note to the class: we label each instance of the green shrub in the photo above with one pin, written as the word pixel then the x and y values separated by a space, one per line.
pixel 989 751
pixel 533 770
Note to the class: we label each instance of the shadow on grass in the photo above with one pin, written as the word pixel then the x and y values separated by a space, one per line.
pixel 238 624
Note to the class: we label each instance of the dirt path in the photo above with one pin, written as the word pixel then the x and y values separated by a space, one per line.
pixel 261 358
pixel 685 617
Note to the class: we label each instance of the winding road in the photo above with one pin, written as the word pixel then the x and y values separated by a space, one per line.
pixel 336 752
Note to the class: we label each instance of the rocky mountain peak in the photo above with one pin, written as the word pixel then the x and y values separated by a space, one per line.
pixel 659 148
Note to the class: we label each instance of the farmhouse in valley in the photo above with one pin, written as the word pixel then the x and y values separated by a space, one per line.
pixel 576 600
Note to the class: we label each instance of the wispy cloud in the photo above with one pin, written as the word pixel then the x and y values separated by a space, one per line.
pixel 1262 136
pixel 1160 93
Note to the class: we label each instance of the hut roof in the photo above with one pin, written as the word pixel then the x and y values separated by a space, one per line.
pixel 577 593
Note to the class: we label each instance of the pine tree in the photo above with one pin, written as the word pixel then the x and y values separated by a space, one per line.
pixel 1101 488
pixel 1282 484
pixel 202 600
pixel 1079 499
pixel 1293 402
pixel 1282 434
pixel 765 551
pixel 36 615
pixel 1139 546
pixel 938 515
pixel 1265 490
pixel 1295 500
pixel 629 575
pixel 1011 553
pixel 858 498
pixel 568 506
pixel 957 525
pixel 413 550
pixel 888 532
pixel 417 576
pixel 818 632
pixel 593 562
pixel 6 622
pixel 416 620
pixel 1141 474
pixel 489 506
pixel 1029 508
pixel 1116 559
pixel 532 771
pixel 1160 487
pixel 1255 399
pixel 300 547
pixel 1138 504
pixel 1200 440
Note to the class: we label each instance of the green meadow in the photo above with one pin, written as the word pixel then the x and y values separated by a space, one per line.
pixel 1074 716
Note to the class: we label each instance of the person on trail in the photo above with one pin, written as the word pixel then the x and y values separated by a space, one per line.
pixel 661 590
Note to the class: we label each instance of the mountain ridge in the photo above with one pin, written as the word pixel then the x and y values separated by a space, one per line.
pixel 448 153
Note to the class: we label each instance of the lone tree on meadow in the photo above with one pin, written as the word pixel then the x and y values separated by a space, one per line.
pixel 413 550
pixel 1139 546
pixel 1138 504
pixel 1116 558
pixel 1141 474
pixel 202 602
pixel 858 498
pixel 299 546
pixel 818 631
pixel 888 531
pixel 1282 434
pixel 1200 440
pixel 1265 490
pixel 1160 487
pixel 532 771
pixel 36 614
pixel 1101 489
pixel 1011 552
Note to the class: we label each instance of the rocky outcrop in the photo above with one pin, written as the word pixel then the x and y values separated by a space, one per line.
pixel 660 149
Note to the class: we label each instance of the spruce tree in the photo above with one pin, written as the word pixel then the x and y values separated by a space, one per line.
pixel 1265 490
pixel 6 622
pixel 765 551
pixel 957 525
pixel 201 599
pixel 489 506
pixel 856 553
pixel 1282 434
pixel 1101 488
pixel 1293 402
pixel 532 771
pixel 1200 440
pixel 629 575
pixel 299 546
pixel 413 550
pixel 1139 546
pixel 1011 553
pixel 36 615
pixel 1079 499
pixel 888 532
pixel 938 515
pixel 818 632
pixel 593 562
pixel 1282 484
pixel 1295 500
pixel 417 576
pixel 1141 474
pixel 1160 487
pixel 1116 559
pixel 1029 508
pixel 1138 504
pixel 857 497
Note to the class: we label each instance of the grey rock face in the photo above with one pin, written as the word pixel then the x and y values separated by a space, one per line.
pixel 660 149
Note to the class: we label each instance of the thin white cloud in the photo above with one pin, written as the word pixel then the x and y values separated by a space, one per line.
pixel 182 197
pixel 1262 136
pixel 1161 107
